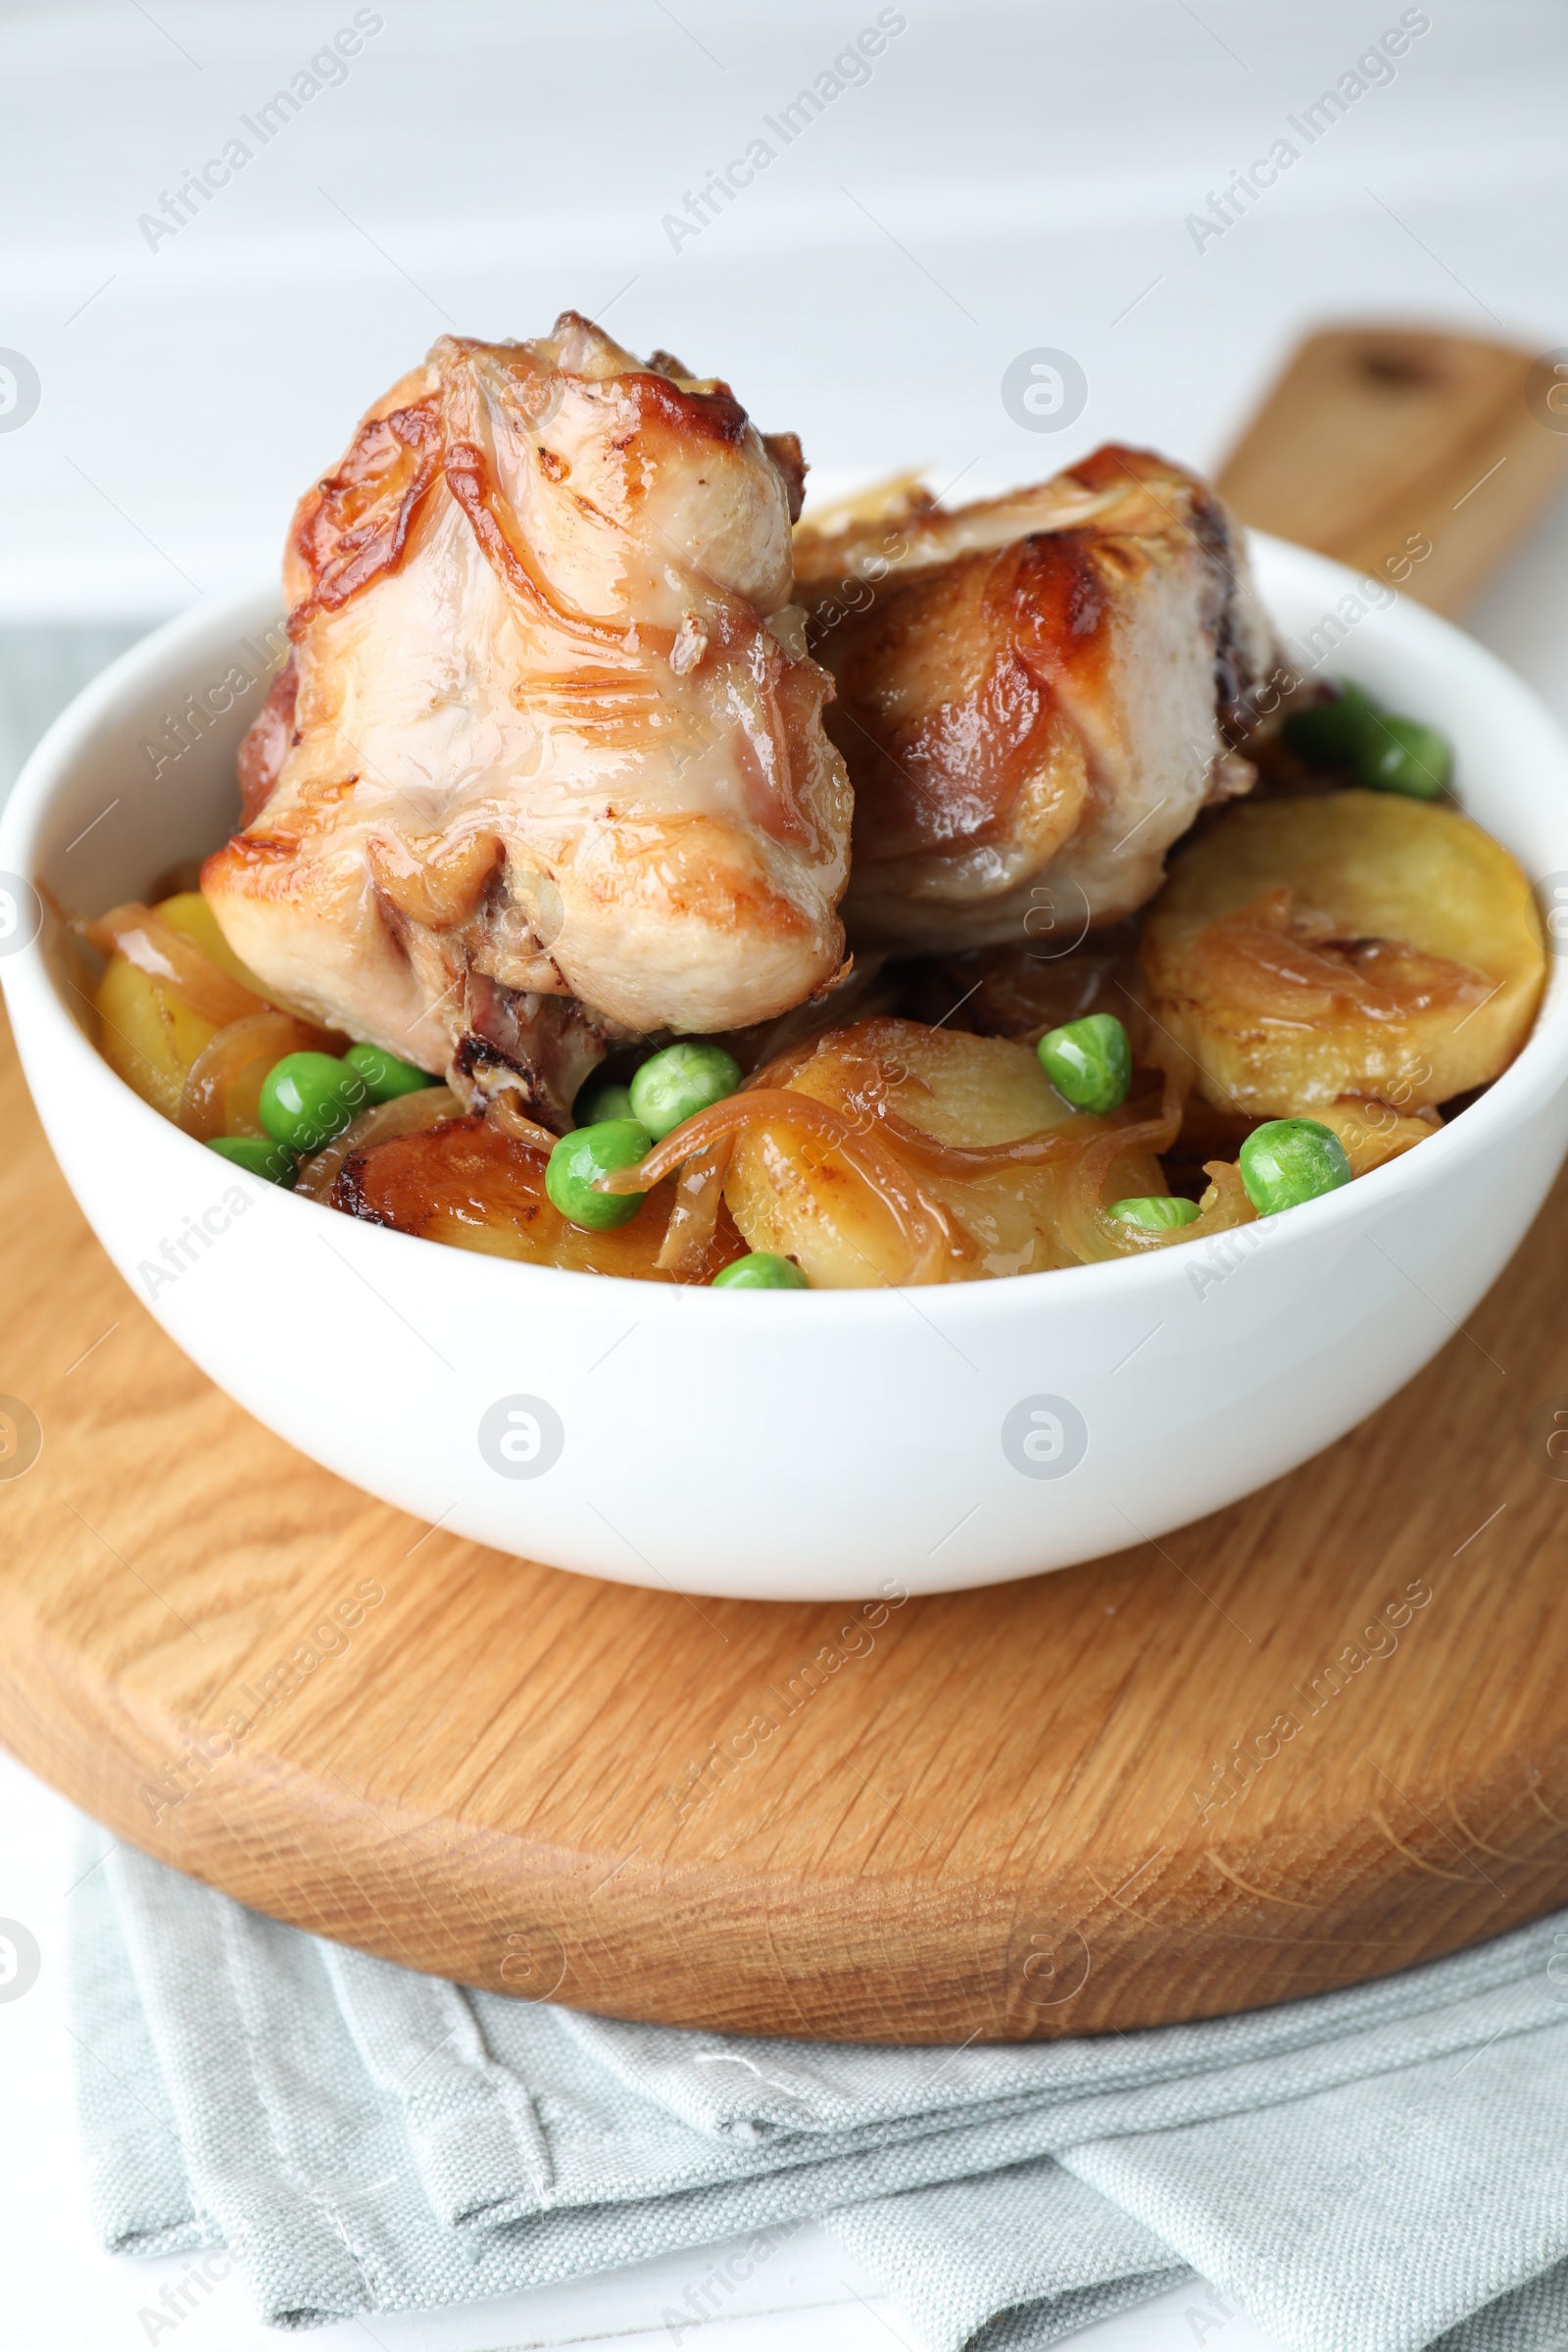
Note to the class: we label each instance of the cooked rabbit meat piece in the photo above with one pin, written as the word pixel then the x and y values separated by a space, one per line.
pixel 548 767
pixel 1036 695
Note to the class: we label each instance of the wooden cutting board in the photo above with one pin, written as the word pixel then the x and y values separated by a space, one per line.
pixel 1415 456
pixel 1060 1806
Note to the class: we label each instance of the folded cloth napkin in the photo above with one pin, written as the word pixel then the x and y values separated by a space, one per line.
pixel 1371 2171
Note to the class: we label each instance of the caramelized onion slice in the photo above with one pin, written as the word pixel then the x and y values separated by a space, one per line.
pixel 1036 1150
pixel 1086 1227
pixel 700 1186
pixel 1047 1144
pixel 694 1218
pixel 256 1037
pixel 403 1116
pixel 1277 962
pixel 502 1111
pixel 1224 1205
pixel 140 934
pixel 923 1222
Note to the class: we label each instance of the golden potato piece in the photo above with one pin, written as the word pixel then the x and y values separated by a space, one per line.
pixel 188 911
pixel 465 1183
pixel 146 1033
pixel 794 1195
pixel 1351 945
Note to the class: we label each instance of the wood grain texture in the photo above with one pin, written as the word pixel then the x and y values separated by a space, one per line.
pixel 1376 443
pixel 1048 1807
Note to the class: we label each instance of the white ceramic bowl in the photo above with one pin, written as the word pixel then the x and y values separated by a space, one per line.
pixel 779 1445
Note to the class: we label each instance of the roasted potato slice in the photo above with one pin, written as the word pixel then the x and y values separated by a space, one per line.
pixel 467 1183
pixel 794 1195
pixel 188 911
pixel 1357 944
pixel 147 1033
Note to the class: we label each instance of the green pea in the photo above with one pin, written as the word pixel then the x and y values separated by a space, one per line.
pixel 1401 754
pixel 257 1156
pixel 599 1100
pixel 1155 1212
pixel 682 1080
pixel 590 1152
pixel 1327 733
pixel 307 1099
pixel 762 1272
pixel 384 1075
pixel 1088 1062
pixel 1287 1162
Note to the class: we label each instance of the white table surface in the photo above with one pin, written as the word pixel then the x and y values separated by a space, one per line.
pixel 1011 177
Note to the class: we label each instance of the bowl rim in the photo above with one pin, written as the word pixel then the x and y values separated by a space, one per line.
pixel 1520 1094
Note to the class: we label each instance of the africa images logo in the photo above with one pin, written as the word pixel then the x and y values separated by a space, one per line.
pixel 1045 1437
pixel 522 1437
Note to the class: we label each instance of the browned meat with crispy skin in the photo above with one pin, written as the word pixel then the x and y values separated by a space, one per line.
pixel 1031 694
pixel 548 767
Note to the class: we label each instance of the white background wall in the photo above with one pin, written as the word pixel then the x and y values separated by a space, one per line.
pixel 1012 175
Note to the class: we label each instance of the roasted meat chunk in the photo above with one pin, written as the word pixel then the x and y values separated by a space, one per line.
pixel 546 767
pixel 1036 696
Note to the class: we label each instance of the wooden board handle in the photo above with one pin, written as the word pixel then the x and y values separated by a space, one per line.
pixel 1377 443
